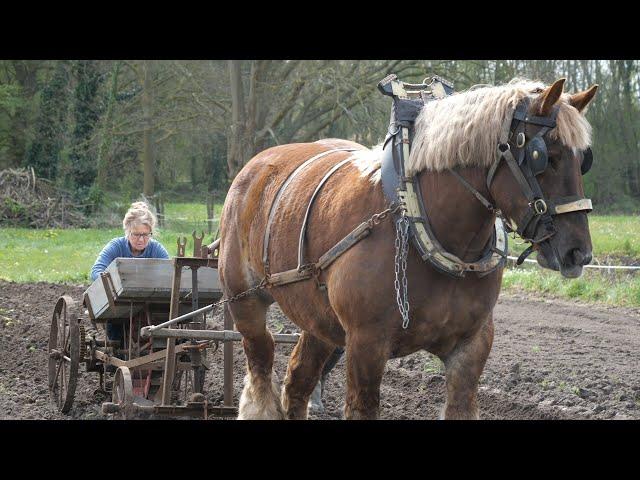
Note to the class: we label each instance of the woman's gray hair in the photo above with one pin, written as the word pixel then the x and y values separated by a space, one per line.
pixel 138 214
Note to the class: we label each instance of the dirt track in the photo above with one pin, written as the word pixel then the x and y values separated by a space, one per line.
pixel 550 360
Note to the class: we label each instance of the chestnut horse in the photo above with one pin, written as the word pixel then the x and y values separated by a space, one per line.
pixel 357 308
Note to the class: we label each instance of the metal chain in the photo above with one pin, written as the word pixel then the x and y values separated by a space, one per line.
pixel 376 218
pixel 240 295
pixel 400 267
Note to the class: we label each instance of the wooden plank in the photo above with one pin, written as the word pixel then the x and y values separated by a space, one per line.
pixel 136 362
pixel 142 277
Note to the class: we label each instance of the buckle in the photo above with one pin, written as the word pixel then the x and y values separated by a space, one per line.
pixel 539 206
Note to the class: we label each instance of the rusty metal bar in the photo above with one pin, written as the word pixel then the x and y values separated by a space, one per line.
pixel 170 359
pixel 146 331
pixel 87 303
pixel 175 410
pixel 228 359
pixel 221 335
pixel 197 262
pixel 130 329
pixel 213 246
pixel 194 289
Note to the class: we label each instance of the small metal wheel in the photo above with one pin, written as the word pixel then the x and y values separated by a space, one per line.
pixel 123 393
pixel 64 353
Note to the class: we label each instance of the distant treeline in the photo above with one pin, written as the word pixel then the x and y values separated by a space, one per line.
pixel 99 126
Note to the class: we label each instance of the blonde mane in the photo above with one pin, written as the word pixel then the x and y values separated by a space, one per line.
pixel 464 129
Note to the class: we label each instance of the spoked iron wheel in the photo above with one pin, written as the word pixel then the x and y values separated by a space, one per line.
pixel 64 353
pixel 123 393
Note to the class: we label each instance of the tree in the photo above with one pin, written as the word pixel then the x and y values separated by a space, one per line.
pixel 275 102
pixel 85 114
pixel 44 153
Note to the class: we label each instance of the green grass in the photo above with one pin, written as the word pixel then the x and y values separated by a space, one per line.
pixel 67 255
pixel 616 236
pixel 619 289
pixel 615 240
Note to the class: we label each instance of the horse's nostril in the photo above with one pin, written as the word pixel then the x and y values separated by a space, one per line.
pixel 580 258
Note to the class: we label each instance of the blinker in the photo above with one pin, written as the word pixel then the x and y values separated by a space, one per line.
pixel 537 156
pixel 587 161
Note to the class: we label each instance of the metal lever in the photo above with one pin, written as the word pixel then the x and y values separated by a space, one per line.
pixel 181 246
pixel 197 244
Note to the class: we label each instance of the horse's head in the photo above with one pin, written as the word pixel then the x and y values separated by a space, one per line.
pixel 539 185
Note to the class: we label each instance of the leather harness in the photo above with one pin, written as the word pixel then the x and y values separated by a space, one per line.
pixel 406 199
pixel 306 270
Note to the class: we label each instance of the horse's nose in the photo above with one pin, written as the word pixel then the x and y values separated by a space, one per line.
pixel 580 258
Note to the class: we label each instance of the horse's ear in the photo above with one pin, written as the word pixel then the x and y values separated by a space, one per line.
pixel 548 98
pixel 581 99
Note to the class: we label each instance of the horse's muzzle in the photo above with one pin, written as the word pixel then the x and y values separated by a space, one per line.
pixel 573 261
pixel 571 264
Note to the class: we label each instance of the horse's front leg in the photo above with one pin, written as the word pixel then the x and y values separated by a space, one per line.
pixel 307 359
pixel 367 356
pixel 463 367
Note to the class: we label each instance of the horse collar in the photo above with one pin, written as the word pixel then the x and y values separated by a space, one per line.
pixel 406 191
pixel 408 99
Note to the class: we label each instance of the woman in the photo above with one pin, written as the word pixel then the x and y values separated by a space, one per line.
pixel 138 224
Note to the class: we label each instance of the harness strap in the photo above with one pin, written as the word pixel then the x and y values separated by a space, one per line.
pixel 570 204
pixel 475 192
pixel 276 201
pixel 548 122
pixel 360 232
pixel 303 230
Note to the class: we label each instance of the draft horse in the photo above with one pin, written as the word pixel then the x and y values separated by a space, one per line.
pixel 515 152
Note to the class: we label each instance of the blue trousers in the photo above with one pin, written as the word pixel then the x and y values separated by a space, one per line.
pixel 114 331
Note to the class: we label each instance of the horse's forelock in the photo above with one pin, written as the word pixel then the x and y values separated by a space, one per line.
pixel 463 129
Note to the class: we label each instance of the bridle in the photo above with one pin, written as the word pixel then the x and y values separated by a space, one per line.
pixel 527 158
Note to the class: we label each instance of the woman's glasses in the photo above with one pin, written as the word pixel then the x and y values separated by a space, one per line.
pixel 141 235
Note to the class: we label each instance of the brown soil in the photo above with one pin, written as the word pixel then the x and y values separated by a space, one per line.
pixel 550 360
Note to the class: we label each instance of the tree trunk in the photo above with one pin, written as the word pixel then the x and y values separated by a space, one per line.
pixel 26 75
pixel 107 138
pixel 147 140
pixel 241 143
pixel 237 118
